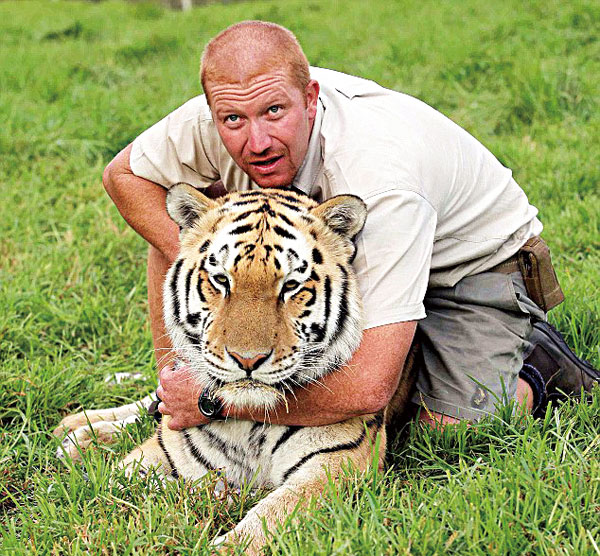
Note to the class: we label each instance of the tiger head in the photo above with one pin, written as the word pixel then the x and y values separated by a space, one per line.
pixel 262 298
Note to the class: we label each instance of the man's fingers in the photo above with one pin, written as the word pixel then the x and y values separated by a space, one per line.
pixel 166 376
pixel 169 373
pixel 162 408
pixel 175 425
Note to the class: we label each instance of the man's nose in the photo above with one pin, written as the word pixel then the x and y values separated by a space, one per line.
pixel 259 139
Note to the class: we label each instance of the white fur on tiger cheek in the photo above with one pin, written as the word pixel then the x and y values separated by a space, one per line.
pixel 176 331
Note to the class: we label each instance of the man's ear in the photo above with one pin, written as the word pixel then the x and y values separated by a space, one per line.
pixel 312 97
pixel 186 205
pixel 344 214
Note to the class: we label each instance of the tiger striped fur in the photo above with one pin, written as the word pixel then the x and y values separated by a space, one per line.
pixel 262 300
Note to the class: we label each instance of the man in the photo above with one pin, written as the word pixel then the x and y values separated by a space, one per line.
pixel 445 222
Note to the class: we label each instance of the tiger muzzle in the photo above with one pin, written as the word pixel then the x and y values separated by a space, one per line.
pixel 249 362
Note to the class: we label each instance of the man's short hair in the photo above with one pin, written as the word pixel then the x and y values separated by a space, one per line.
pixel 251 48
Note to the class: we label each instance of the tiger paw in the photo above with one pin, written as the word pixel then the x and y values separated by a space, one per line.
pixel 250 538
pixel 74 443
pixel 79 439
pixel 225 544
pixel 71 423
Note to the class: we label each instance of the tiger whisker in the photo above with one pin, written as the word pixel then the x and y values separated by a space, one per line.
pixel 291 390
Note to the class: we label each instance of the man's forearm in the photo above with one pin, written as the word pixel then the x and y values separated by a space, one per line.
pixel 332 400
pixel 363 386
pixel 142 204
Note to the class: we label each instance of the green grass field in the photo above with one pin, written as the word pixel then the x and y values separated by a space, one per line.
pixel 78 81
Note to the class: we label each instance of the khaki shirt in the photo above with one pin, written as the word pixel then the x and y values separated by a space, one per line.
pixel 440 205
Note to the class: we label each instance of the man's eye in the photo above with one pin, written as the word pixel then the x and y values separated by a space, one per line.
pixel 274 109
pixel 233 118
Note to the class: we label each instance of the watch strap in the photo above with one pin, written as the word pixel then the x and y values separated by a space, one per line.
pixel 153 409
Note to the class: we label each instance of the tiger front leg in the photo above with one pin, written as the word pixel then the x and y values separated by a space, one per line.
pixel 97 424
pixel 112 414
pixel 272 510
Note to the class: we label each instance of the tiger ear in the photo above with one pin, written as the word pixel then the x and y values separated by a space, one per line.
pixel 344 214
pixel 185 204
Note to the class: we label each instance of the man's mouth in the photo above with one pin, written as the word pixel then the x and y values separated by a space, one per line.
pixel 266 165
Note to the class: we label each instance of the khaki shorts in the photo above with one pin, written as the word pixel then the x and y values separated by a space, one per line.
pixel 473 341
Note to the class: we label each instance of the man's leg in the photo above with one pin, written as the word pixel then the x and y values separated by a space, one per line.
pixel 480 348
pixel 524 399
pixel 525 395
pixel 473 342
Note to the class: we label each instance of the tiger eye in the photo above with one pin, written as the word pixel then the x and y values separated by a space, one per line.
pixel 221 279
pixel 290 285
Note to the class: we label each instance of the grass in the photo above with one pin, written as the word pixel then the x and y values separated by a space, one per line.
pixel 81 80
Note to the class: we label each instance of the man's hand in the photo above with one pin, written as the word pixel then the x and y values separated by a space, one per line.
pixel 179 392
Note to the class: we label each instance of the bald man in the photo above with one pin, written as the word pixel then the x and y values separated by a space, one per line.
pixel 447 224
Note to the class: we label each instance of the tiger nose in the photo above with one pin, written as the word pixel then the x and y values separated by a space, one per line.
pixel 251 363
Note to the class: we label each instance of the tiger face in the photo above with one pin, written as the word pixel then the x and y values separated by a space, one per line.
pixel 262 298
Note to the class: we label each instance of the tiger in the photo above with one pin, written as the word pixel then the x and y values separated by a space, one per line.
pixel 262 300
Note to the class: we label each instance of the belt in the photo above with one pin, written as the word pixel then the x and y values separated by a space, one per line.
pixel 534 264
pixel 508 266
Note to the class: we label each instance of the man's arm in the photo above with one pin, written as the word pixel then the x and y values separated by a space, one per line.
pixel 365 385
pixel 142 204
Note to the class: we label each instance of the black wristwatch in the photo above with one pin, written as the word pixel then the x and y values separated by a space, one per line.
pixel 210 406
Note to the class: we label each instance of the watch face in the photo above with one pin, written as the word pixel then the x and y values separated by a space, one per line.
pixel 208 406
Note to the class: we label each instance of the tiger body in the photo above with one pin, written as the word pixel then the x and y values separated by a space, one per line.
pixel 253 453
pixel 261 301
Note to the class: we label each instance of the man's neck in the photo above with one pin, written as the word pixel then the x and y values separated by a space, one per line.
pixel 309 170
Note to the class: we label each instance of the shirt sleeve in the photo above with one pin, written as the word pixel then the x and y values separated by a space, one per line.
pixel 175 149
pixel 393 256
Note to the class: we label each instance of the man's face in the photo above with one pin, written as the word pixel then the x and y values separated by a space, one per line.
pixel 266 126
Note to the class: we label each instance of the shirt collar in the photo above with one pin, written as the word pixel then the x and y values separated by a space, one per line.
pixel 313 161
